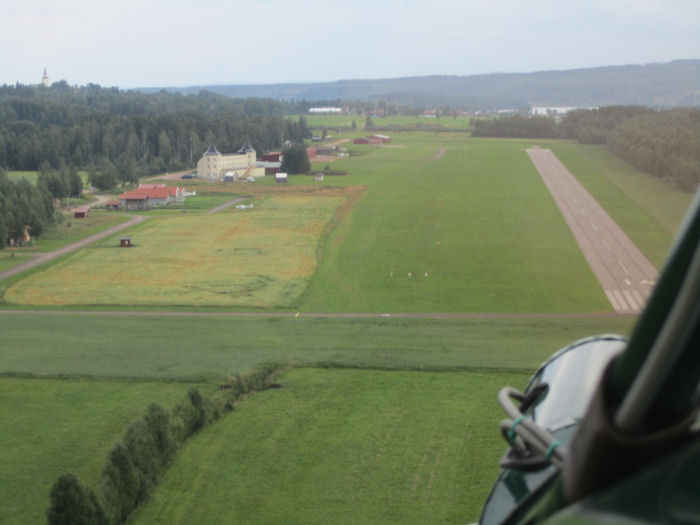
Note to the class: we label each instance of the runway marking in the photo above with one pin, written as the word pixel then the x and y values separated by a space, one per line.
pixel 647 281
pixel 630 300
pixel 623 267
pixel 575 203
pixel 620 300
pixel 638 298
pixel 612 299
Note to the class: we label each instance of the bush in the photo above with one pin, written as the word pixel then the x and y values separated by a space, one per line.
pixel 72 503
pixel 119 485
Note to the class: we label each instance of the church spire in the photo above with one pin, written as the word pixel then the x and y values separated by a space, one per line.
pixel 45 79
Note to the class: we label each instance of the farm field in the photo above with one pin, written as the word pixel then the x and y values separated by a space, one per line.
pixel 388 418
pixel 54 425
pixel 9 260
pixel 473 231
pixel 207 347
pixel 260 258
pixel 71 230
pixel 351 446
pixel 406 121
pixel 33 176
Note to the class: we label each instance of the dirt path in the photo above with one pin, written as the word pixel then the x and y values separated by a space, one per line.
pixel 45 257
pixel 225 205
pixel 626 275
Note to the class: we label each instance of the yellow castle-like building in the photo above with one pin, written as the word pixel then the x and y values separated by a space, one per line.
pixel 239 165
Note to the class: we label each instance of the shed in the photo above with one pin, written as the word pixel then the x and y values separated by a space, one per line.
pixel 125 242
pixel 112 205
pixel 80 213
pixel 281 177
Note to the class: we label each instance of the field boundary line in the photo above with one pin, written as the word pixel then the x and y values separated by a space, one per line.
pixel 338 315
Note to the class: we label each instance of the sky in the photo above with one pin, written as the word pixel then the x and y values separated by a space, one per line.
pixel 159 43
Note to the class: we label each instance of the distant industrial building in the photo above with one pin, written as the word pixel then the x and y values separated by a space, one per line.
pixel 553 111
pixel 328 110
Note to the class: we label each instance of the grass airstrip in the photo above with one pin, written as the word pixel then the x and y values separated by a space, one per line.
pixel 385 419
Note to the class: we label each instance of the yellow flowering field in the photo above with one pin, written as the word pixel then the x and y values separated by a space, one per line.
pixel 261 258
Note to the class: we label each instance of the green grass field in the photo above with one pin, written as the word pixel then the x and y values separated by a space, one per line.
pixel 33 176
pixel 407 122
pixel 30 176
pixel 390 419
pixel 50 426
pixel 478 221
pixel 191 347
pixel 11 259
pixel 70 230
pixel 350 446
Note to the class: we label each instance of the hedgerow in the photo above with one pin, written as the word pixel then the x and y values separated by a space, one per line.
pixel 136 463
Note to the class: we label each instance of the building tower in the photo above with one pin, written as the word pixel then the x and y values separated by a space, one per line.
pixel 45 79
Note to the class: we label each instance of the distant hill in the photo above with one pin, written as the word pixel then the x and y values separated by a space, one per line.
pixel 670 84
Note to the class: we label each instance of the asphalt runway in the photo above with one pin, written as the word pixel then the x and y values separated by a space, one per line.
pixel 626 275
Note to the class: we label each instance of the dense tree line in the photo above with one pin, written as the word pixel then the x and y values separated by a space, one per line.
pixel 135 132
pixel 663 143
pixel 25 210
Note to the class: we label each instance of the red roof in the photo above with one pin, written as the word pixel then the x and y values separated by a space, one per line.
pixel 152 193
pixel 135 195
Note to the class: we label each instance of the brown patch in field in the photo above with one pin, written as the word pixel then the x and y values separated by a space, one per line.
pixel 352 194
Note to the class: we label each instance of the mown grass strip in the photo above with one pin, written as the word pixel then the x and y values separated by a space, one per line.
pixel 194 347
pixel 354 446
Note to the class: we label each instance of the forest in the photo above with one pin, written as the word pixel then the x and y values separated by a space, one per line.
pixel 137 133
pixel 663 143
pixel 117 137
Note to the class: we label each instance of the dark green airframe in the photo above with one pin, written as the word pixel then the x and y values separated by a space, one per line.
pixel 608 430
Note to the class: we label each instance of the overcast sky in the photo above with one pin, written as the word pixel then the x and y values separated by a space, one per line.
pixel 130 43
